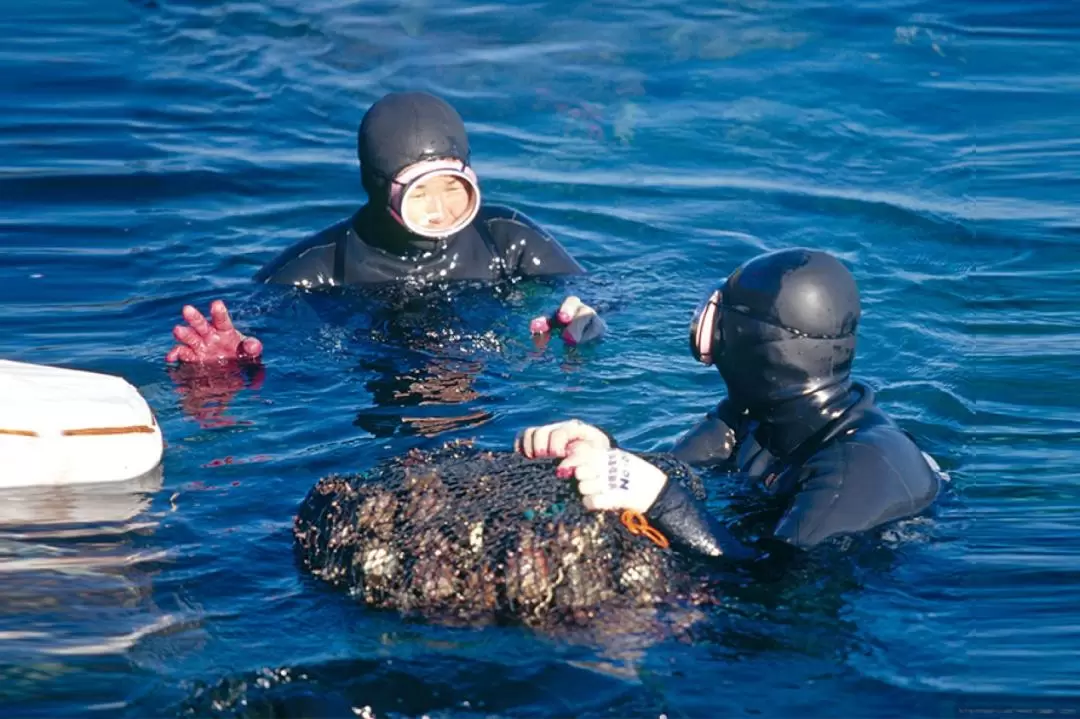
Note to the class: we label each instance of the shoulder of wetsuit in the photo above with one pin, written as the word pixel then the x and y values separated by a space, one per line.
pixel 517 237
pixel 309 262
pixel 495 214
pixel 868 476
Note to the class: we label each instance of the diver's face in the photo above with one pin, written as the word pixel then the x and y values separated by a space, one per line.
pixel 438 203
pixel 435 198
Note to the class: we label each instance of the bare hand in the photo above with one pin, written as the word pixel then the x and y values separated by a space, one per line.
pixel 578 321
pixel 202 342
pixel 559 439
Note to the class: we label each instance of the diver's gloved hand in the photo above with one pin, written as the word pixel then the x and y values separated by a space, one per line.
pixel 613 479
pixel 558 439
pixel 579 322
pixel 203 342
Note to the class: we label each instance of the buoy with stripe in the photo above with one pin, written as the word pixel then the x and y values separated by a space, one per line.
pixel 65 426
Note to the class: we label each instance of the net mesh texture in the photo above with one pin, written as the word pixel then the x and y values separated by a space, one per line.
pixel 465 534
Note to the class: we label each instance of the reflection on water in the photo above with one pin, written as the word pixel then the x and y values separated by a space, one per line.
pixel 73 582
pixel 421 351
pixel 65 510
pixel 206 391
pixel 427 400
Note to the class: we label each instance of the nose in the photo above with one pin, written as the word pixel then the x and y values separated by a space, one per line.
pixel 434 206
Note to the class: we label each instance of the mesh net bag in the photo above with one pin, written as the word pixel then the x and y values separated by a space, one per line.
pixel 467 534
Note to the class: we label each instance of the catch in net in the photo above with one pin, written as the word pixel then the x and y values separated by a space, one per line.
pixel 464 534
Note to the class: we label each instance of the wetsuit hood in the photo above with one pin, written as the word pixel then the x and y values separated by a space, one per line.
pixel 401 129
pixel 404 128
pixel 787 342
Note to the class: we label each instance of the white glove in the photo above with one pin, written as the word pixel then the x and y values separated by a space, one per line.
pixel 558 439
pixel 613 479
pixel 578 321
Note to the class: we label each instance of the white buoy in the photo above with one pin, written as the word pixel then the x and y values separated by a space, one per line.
pixel 64 426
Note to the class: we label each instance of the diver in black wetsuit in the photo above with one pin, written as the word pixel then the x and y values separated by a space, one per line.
pixel 425 222
pixel 781 330
pixel 424 219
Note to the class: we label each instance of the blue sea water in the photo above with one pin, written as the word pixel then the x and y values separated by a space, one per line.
pixel 157 152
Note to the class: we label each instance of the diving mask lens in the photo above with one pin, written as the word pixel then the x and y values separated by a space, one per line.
pixel 705 329
pixel 440 202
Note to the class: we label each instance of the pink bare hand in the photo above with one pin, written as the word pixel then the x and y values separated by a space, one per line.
pixel 202 342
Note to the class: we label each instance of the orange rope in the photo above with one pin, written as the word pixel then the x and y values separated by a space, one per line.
pixel 638 525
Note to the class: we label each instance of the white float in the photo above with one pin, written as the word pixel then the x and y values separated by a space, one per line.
pixel 62 426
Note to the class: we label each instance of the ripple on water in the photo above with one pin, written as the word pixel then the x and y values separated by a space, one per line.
pixel 157 152
pixel 78 590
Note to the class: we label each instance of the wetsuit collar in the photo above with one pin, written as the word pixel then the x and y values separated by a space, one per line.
pixel 378 229
pixel 785 426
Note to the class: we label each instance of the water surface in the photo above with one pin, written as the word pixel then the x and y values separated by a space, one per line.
pixel 158 152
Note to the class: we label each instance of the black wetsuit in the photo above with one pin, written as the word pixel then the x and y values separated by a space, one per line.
pixel 500 244
pixel 373 248
pixel 793 420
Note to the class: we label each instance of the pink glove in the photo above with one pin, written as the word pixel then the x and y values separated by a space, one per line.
pixel 202 342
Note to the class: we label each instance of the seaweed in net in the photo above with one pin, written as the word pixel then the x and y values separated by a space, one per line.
pixel 465 534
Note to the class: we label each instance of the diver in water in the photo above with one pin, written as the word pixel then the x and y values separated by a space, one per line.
pixel 781 330
pixel 425 222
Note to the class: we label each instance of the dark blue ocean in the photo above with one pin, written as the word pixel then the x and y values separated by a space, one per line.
pixel 157 152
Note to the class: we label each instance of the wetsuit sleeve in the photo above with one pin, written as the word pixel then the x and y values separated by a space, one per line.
pixel 680 514
pixel 712 441
pixel 685 521
pixel 527 250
